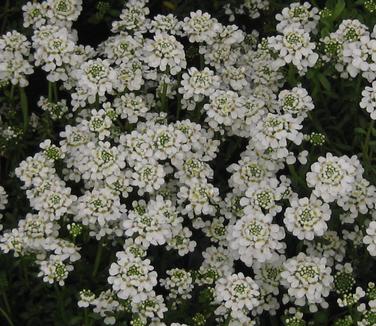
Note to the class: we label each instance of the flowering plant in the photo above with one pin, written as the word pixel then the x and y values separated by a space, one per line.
pixel 188 169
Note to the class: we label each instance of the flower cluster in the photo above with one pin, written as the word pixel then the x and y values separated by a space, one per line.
pixel 186 153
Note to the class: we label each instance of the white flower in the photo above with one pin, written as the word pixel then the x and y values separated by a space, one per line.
pixel 215 230
pixel 200 27
pixel 133 17
pixel 101 161
pixel 132 277
pixel 295 47
pixel 251 8
pixel 351 30
pixel 130 106
pixel 178 283
pixel 360 57
pixel 14 43
pixel 370 238
pixel 99 208
pixel 268 274
pixel 167 142
pixel 155 224
pixel 307 217
pixel 150 308
pixel 86 298
pixel 100 123
pixel 332 176
pixel 254 237
pixel 201 197
pixel 198 84
pixel 95 77
pixel 3 198
pixel 34 14
pixel 361 199
pixel 122 48
pixel 56 110
pixel 303 14
pixel 249 171
pixel 51 151
pixel 14 58
pixel 54 270
pixel 275 130
pixel 106 305
pixel 296 102
pixel 182 242
pixel 15 69
pixel 165 53
pixel 119 184
pixel 220 53
pixel 368 101
pixel 53 201
pixel 64 10
pixel 224 107
pixel 130 76
pixel 148 177
pixel 307 280
pixel 37 232
pixel 237 292
pixel 263 197
pixel 55 51
pixel 330 246
pixel 191 168
pixel 13 240
pixel 219 259
pixel 235 77
pixel 34 169
pixel 165 23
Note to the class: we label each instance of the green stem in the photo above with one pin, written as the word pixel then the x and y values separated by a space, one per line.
pixel 50 92
pixel 24 107
pixel 5 18
pixel 274 320
pixel 26 276
pixel 227 321
pixel 12 88
pixel 6 316
pixel 179 97
pixel 366 143
pixel 197 112
pixel 54 88
pixel 6 302
pixel 97 258
pixel 202 62
pixel 97 102
pixel 295 176
pixel 60 303
pixel 164 99
pixel 86 317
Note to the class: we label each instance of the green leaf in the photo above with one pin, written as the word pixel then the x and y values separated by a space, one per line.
pixel 321 318
pixel 360 131
pixel 324 82
pixel 169 5
pixel 339 8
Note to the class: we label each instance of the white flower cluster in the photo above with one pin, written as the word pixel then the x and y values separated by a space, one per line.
pixel 144 143
pixel 351 50
pixel 3 203
pixel 252 8
pixel 15 59
pixel 340 179
pixel 308 280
